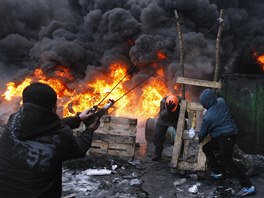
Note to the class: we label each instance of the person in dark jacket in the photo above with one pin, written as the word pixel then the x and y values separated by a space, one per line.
pixel 219 124
pixel 168 116
pixel 36 142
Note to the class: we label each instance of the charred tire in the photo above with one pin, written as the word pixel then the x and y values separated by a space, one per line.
pixel 149 129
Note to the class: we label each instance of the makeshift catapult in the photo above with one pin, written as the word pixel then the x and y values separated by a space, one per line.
pixel 183 156
pixel 181 150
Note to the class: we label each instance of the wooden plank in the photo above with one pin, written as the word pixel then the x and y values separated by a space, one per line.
pixel 119 120
pixel 198 82
pixel 99 147
pixel 121 149
pixel 194 106
pixel 201 158
pixel 117 126
pixel 178 138
pixel 117 130
pixel 113 149
pixel 114 138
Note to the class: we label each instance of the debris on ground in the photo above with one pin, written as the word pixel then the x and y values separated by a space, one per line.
pixel 141 177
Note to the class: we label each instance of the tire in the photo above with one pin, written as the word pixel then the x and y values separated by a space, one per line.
pixel 149 129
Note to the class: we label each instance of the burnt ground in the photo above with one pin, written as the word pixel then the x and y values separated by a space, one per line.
pixel 142 177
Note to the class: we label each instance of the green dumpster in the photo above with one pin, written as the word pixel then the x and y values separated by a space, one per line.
pixel 245 97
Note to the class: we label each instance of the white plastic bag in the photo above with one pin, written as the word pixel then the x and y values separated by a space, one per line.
pixel 191 133
pixel 193 189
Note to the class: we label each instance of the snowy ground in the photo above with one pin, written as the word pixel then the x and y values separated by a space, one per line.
pixel 104 176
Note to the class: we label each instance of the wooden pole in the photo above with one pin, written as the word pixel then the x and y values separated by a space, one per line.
pixel 218 45
pixel 181 49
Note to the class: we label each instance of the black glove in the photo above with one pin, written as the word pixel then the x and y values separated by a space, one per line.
pixel 92 123
pixel 171 106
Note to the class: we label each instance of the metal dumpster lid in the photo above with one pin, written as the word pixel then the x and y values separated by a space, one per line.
pixel 242 75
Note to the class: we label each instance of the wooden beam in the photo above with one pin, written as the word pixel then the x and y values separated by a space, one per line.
pixel 181 45
pixel 201 162
pixel 218 46
pixel 178 138
pixel 198 82
pixel 194 106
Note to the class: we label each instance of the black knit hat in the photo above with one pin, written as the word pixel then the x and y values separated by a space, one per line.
pixel 40 94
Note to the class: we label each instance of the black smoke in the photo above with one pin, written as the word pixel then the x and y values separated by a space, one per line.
pixel 86 34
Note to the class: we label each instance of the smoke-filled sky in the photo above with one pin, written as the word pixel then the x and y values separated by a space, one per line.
pixel 86 34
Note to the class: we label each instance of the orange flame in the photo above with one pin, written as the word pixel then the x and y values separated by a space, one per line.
pixel 259 60
pixel 143 102
pixel 161 55
pixel 14 90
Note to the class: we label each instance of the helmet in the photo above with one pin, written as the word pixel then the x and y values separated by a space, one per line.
pixel 174 100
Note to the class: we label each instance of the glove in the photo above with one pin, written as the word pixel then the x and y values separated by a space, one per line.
pixel 92 123
pixel 170 106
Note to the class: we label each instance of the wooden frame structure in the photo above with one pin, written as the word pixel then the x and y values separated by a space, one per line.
pixel 181 150
pixel 182 141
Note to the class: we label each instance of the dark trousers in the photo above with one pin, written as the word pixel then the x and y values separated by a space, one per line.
pixel 224 146
pixel 160 130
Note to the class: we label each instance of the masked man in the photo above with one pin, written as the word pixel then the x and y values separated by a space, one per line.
pixel 168 116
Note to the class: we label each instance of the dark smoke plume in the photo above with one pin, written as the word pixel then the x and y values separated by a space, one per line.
pixel 88 34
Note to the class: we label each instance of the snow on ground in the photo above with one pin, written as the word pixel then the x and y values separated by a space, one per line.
pixel 140 178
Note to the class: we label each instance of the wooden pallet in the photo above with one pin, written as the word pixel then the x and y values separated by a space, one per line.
pixel 116 136
pixel 187 153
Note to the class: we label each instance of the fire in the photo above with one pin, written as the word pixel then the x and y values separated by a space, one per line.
pixel 142 102
pixel 161 55
pixel 259 60
pixel 63 72
pixel 14 90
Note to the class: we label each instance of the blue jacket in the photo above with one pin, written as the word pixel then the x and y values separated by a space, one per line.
pixel 217 120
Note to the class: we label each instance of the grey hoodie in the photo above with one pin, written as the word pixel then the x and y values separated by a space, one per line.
pixel 217 120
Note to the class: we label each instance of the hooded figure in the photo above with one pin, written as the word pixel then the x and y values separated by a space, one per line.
pixel 36 142
pixel 217 120
pixel 219 124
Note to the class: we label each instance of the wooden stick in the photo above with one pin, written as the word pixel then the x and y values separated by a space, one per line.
pixel 181 49
pixel 218 46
